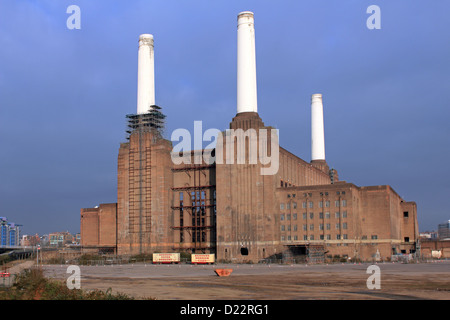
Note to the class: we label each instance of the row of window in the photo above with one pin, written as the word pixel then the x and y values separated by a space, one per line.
pixel 305 215
pixel 310 204
pixel 311 227
pixel 311 237
pixel 286 184
pixel 321 237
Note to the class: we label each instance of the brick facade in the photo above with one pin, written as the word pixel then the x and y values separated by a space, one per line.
pixel 239 214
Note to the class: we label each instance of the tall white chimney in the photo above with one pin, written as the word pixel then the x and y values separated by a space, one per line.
pixel 146 74
pixel 317 130
pixel 246 64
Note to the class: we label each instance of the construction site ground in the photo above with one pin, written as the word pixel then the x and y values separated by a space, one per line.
pixel 265 282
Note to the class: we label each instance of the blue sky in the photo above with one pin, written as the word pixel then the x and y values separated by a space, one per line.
pixel 64 93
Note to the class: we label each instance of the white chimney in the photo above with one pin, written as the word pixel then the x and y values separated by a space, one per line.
pixel 246 64
pixel 146 74
pixel 317 130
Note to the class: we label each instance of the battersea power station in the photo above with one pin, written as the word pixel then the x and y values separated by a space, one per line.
pixel 246 199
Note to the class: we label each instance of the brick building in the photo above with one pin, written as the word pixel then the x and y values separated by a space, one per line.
pixel 230 208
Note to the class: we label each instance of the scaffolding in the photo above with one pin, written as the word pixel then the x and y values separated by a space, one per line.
pixel 140 175
pixel 315 253
pixel 153 121
pixel 199 209
pixel 304 253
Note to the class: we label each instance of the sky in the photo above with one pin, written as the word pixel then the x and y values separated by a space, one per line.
pixel 64 93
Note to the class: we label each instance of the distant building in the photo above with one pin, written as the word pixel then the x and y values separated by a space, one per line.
pixel 59 239
pixel 444 230
pixel 77 238
pixel 428 235
pixel 9 233
pixel 30 240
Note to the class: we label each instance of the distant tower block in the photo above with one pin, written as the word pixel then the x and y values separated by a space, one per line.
pixel 246 64
pixel 146 74
pixel 317 130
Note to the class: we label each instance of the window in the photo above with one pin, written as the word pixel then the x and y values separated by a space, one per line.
pixel 282 227
pixel 295 216
pixel 364 238
pixel 282 238
pixel 294 205
pixel 328 236
pixel 338 226
pixel 303 204
pixel 321 226
pixel 295 227
pixel 374 237
pixel 288 205
pixel 327 204
pixel 344 203
pixel 295 238
pixel 305 227
pixel 311 204
pixel 304 216
pixel 288 216
pixel 282 217
pixel 311 237
pixel 338 237
pixel 305 237
pixel 344 225
pixel 327 215
pixel 320 204
pixel 281 206
pixel 289 228
pixel 406 239
pixel 311 227
pixel 328 226
pixel 344 214
pixel 311 215
pixel 336 215
pixel 405 214
pixel 321 215
pixel 345 236
pixel 336 203
pixel 289 238
pixel 321 237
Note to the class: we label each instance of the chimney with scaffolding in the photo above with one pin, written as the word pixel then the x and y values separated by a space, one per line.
pixel 149 116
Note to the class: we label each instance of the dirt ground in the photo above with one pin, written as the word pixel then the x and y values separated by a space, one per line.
pixel 266 282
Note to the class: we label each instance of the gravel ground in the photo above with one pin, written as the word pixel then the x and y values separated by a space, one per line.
pixel 266 282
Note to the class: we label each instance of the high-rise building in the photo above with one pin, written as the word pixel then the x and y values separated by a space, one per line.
pixel 10 233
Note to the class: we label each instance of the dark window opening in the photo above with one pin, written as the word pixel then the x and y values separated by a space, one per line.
pixel 405 214
pixel 244 251
pixel 406 239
